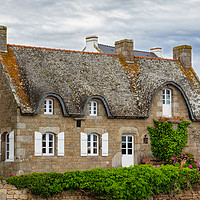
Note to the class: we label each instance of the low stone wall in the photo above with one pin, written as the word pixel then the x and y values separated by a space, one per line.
pixel 10 192
pixel 185 195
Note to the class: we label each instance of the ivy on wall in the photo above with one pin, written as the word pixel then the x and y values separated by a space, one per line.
pixel 167 142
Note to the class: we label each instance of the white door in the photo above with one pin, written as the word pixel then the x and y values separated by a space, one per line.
pixel 166 102
pixel 127 150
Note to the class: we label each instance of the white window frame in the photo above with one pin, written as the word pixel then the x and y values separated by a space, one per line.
pixel 91 146
pixel 9 147
pixel 47 145
pixel 48 107
pixel 164 102
pixel 93 108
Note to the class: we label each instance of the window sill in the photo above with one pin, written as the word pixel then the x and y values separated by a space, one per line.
pixel 48 155
pixel 9 161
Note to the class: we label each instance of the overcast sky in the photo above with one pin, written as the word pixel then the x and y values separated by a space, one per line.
pixel 65 23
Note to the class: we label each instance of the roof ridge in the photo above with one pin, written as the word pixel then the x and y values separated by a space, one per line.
pixel 156 58
pixel 47 48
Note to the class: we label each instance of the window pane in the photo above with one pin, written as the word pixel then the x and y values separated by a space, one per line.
pixel 50 102
pixel 163 91
pixel 50 150
pixel 44 150
pixel 167 91
pixel 94 138
pixel 44 137
pixel 43 144
pixel 129 138
pixel 123 145
pixel 7 155
pixel 123 151
pixel 88 144
pixel 94 144
pixel 95 151
pixel 45 102
pixel 168 96
pixel 167 101
pixel 88 137
pixel 163 96
pixel 124 138
pixel 50 137
pixel 163 101
pixel 89 151
pixel 50 144
pixel 129 145
pixel 130 151
pixel 7 136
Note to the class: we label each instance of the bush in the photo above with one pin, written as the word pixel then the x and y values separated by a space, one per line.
pixel 167 142
pixel 138 182
pixel 189 159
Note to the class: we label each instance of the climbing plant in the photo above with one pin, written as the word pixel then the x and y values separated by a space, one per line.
pixel 167 142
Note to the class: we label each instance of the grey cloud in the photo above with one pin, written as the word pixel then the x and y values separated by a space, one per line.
pixel 65 23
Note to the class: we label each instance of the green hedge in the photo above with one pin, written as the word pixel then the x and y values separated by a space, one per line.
pixel 138 182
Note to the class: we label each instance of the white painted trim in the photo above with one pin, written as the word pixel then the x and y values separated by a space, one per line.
pixel 93 108
pixel 48 108
pixel 105 144
pixel 92 145
pixel 61 144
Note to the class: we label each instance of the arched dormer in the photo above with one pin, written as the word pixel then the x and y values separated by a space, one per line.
pixel 57 97
pixel 171 83
pixel 102 100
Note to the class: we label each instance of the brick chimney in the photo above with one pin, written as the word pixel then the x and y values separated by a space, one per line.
pixel 125 48
pixel 3 39
pixel 91 44
pixel 183 54
pixel 157 51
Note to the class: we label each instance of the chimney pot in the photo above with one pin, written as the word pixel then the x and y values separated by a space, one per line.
pixel 91 44
pixel 157 51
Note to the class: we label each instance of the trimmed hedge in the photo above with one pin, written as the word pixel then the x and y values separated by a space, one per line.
pixel 138 182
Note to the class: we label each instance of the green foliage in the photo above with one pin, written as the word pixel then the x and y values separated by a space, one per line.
pixel 138 182
pixel 167 142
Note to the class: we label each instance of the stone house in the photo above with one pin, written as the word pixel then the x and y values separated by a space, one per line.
pixel 75 110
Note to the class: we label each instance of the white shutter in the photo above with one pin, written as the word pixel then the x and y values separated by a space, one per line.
pixel 0 147
pixel 83 144
pixel 38 143
pixel 12 146
pixel 105 144
pixel 61 144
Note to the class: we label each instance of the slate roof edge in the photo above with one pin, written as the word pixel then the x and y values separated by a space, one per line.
pixel 155 58
pixel 64 50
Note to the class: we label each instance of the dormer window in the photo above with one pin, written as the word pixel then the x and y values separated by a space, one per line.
pixel 48 106
pixel 166 98
pixel 93 108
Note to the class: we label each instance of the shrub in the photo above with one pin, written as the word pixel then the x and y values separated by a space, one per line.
pixel 167 142
pixel 189 158
pixel 138 182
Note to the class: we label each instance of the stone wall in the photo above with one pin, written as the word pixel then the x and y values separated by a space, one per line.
pixel 8 119
pixel 26 162
pixel 10 192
